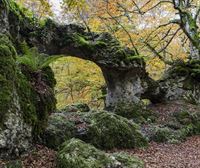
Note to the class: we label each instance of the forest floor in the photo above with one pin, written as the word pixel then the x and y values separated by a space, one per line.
pixel 162 155
pixel 157 155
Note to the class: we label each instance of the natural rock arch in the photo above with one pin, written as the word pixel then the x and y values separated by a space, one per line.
pixel 123 70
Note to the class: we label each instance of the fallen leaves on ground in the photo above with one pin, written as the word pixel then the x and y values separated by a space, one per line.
pixel 157 155
pixel 183 155
pixel 42 157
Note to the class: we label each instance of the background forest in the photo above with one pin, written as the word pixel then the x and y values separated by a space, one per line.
pixel 147 24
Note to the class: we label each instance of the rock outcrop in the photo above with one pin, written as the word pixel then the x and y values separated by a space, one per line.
pixel 24 109
pixel 175 121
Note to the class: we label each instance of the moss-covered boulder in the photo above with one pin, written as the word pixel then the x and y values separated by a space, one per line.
pixel 176 121
pixel 107 131
pixel 77 154
pixel 102 129
pixel 169 135
pixel 181 81
pixel 128 161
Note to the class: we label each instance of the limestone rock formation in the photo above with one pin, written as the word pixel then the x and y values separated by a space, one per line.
pixel 24 109
pixel 27 98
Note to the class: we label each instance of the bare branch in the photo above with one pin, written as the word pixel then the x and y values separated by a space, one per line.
pixel 169 40
pixel 157 54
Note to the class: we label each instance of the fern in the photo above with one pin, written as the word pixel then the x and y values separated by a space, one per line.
pixel 36 61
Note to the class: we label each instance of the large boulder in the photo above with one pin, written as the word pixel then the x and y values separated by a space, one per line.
pixel 102 129
pixel 60 128
pixel 189 120
pixel 77 154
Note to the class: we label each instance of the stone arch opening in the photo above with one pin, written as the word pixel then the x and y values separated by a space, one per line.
pixel 78 81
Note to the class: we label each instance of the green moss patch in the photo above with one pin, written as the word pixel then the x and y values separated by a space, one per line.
pixel 35 105
pixel 190 69
pixel 59 129
pixel 176 126
pixel 7 76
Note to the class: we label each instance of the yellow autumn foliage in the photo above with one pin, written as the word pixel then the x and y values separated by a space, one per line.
pixel 78 81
